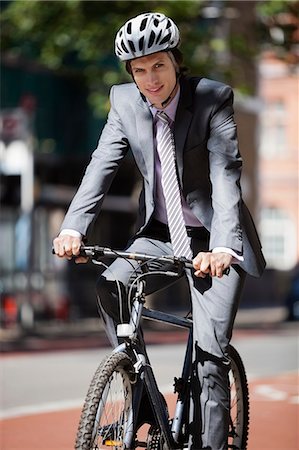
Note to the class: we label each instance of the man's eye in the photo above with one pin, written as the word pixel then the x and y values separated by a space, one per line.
pixel 159 65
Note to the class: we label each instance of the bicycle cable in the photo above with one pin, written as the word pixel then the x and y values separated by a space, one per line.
pixel 144 275
pixel 117 282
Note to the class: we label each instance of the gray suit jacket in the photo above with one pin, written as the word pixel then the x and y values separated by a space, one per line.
pixel 208 160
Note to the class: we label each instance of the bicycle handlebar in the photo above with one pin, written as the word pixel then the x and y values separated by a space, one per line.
pixel 97 252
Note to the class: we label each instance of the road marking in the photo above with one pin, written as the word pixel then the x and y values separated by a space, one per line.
pixel 264 390
pixel 28 410
pixel 271 393
pixel 49 407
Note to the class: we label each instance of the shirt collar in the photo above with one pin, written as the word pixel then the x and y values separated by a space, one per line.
pixel 170 109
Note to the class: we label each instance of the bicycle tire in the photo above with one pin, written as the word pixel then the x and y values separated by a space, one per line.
pixel 239 408
pixel 239 403
pixel 107 411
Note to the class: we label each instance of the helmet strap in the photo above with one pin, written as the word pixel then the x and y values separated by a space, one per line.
pixel 163 104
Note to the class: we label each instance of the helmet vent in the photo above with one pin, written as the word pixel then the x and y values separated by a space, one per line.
pixel 141 41
pixel 159 36
pixel 143 24
pixel 124 47
pixel 132 46
pixel 129 28
pixel 151 39
pixel 165 39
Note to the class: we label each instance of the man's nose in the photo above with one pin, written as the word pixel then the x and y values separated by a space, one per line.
pixel 152 78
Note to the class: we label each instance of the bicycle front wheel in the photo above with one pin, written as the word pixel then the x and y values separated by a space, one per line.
pixel 107 415
pixel 239 403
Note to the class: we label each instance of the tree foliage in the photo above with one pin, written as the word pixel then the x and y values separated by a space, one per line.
pixel 279 28
pixel 75 37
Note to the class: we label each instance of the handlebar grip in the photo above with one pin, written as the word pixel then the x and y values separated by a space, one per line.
pixel 189 265
pixel 82 253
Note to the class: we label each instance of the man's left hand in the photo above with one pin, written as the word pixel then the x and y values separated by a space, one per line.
pixel 213 264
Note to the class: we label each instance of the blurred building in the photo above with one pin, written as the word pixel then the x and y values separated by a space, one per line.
pixel 278 170
pixel 47 132
pixel 63 130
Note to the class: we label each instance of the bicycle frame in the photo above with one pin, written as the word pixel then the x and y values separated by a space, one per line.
pixel 134 345
pixel 130 359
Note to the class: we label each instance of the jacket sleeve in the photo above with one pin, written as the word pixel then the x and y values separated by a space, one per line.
pixel 225 164
pixel 105 161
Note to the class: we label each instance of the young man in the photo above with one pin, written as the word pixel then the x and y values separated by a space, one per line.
pixel 190 203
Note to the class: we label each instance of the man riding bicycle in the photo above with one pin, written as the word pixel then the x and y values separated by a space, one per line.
pixel 182 134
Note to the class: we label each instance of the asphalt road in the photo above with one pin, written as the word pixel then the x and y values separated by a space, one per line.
pixel 44 391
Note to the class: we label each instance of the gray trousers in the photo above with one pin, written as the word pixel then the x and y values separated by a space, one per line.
pixel 214 306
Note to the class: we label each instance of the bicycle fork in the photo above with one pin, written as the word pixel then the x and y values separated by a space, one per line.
pixel 181 410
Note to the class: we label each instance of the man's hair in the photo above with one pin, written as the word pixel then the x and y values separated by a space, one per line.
pixel 178 57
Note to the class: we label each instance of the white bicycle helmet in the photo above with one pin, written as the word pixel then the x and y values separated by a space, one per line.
pixel 146 34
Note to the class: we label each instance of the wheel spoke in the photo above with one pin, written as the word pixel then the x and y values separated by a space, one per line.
pixel 107 418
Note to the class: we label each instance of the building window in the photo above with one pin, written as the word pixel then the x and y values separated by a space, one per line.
pixel 273 135
pixel 279 239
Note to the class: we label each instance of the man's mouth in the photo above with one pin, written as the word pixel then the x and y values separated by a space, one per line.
pixel 154 91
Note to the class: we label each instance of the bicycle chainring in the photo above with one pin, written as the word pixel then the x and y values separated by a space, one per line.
pixel 154 439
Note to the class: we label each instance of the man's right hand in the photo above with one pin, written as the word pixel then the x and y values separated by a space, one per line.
pixel 66 246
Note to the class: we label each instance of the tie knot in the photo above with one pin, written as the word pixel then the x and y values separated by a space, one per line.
pixel 163 117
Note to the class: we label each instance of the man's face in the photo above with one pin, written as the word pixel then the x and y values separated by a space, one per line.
pixel 155 76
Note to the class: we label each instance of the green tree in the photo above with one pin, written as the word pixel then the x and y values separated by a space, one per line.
pixel 279 28
pixel 75 37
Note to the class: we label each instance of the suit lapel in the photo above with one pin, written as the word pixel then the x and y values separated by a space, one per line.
pixel 182 123
pixel 144 124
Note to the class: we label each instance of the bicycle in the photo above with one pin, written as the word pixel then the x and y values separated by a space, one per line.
pixel 124 396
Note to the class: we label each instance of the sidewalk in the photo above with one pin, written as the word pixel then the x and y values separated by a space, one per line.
pixel 89 333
